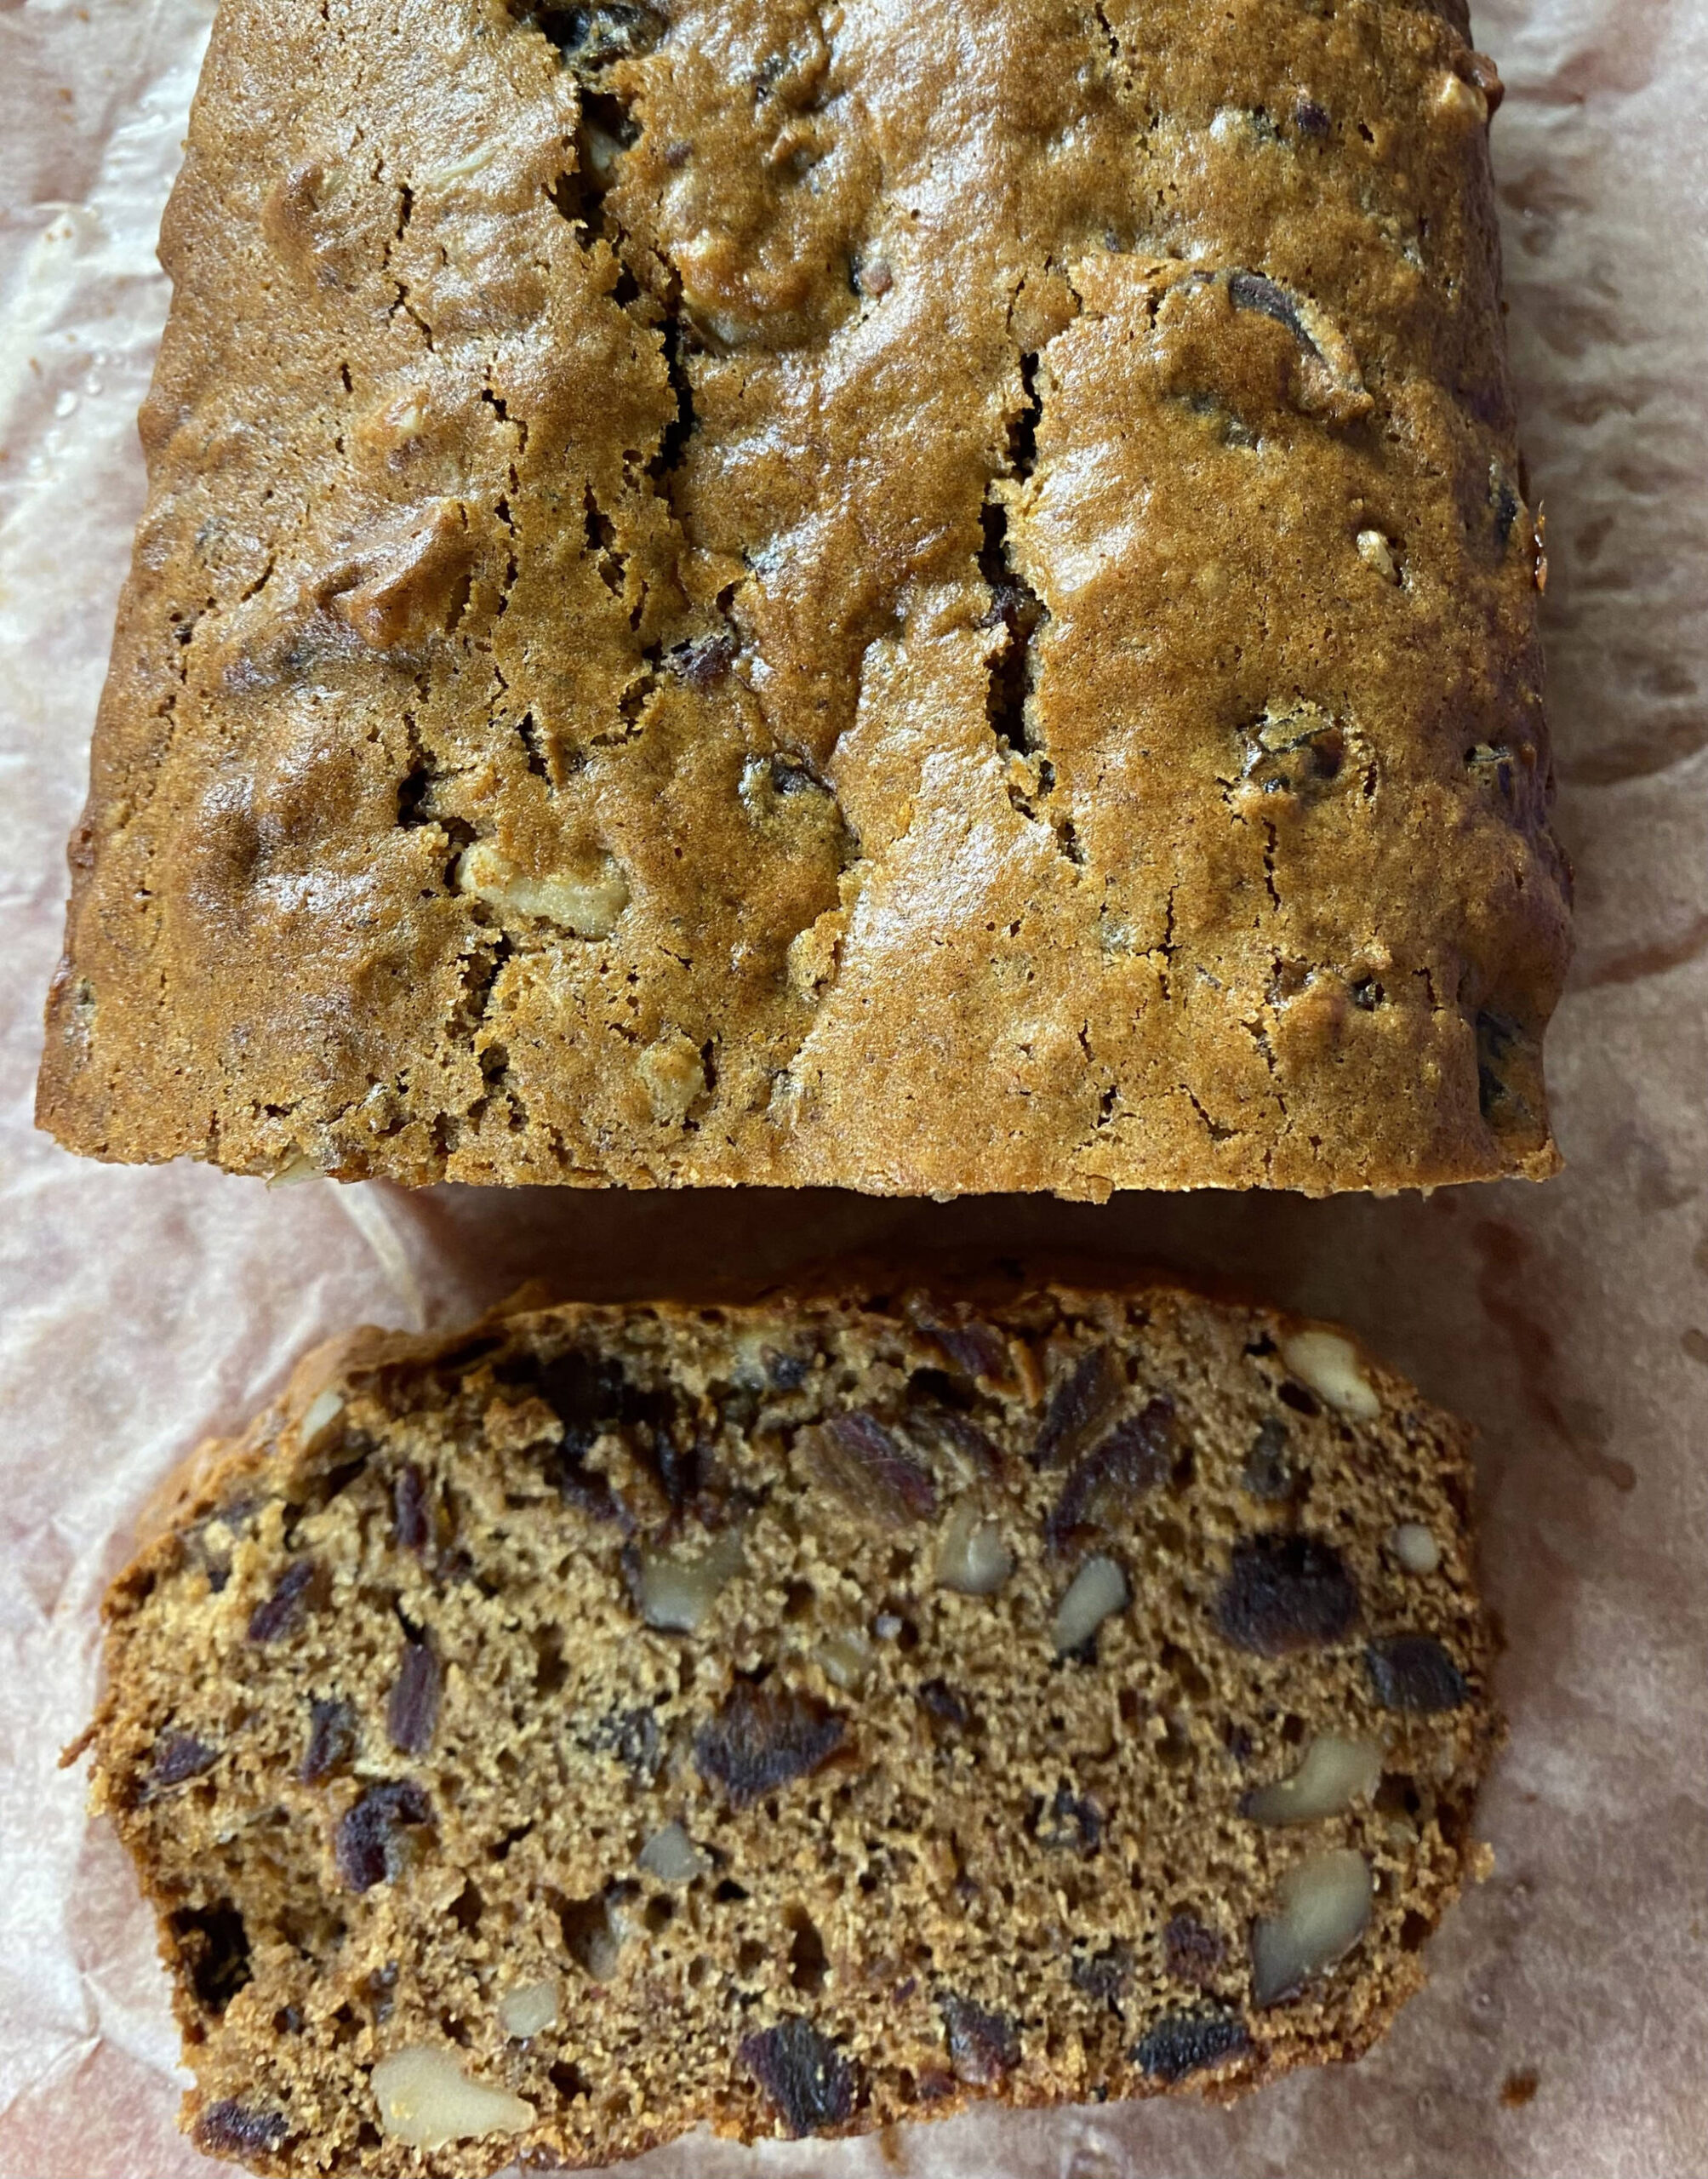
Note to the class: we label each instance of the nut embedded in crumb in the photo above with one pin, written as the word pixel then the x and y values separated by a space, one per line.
pixel 674 1075
pixel 425 2098
pixel 1334 1774
pixel 1415 1547
pixel 1097 1590
pixel 675 1595
pixel 1322 1909
pixel 971 1557
pixel 1328 1362
pixel 528 2009
pixel 588 902
pixel 1375 552
pixel 671 1856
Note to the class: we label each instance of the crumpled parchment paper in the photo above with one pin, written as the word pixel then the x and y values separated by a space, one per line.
pixel 1564 2030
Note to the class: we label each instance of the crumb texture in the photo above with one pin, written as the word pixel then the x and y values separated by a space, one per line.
pixel 765 592
pixel 793 1718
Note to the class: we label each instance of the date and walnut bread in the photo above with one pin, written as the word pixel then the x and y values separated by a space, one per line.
pixel 794 1718
pixel 748 591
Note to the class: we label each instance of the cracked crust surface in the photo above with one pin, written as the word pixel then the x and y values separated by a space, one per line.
pixel 799 594
pixel 794 1718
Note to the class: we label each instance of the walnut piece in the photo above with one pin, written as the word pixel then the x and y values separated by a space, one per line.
pixel 1322 1906
pixel 426 2099
pixel 528 2009
pixel 587 901
pixel 1334 1774
pixel 1096 1591
pixel 971 1555
pixel 1328 1362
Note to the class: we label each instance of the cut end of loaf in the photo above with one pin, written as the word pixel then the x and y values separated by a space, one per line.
pixel 796 1718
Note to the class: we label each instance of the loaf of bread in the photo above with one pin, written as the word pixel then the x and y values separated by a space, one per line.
pixel 749 592
pixel 793 1718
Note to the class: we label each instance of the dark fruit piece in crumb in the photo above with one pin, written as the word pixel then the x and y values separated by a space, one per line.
pixel 228 2128
pixel 1135 1457
pixel 372 1848
pixel 763 1738
pixel 412 1714
pixel 331 1740
pixel 856 1458
pixel 410 1525
pixel 178 1757
pixel 1413 1672
pixel 1194 1953
pixel 805 2075
pixel 282 1611
pixel 983 2046
pixel 1182 2043
pixel 1285 1593
pixel 1078 1402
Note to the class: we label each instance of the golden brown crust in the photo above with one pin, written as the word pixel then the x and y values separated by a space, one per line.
pixel 389 1719
pixel 957 613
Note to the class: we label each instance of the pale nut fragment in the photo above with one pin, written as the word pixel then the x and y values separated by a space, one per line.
pixel 1375 552
pixel 587 901
pixel 326 1407
pixel 971 1557
pixel 1096 1591
pixel 845 1660
pixel 1334 1774
pixel 1323 1909
pixel 528 2010
pixel 1464 101
pixel 672 1857
pixel 1328 1362
pixel 296 1169
pixel 675 1595
pixel 673 1074
pixel 427 2100
pixel 1415 1547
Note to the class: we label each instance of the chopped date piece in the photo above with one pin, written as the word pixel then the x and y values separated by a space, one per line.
pixel 968 1437
pixel 1284 1594
pixel 1078 1402
pixel 283 1610
pixel 1104 1975
pixel 971 1348
pixel 1182 2043
pixel 332 1737
pixel 1413 1671
pixel 1253 291
pixel 583 1391
pixel 412 1712
pixel 804 2074
pixel 371 1845
pixel 1266 1474
pixel 229 2128
pixel 1194 1953
pixel 214 1946
pixel 178 1756
pixel 592 37
pixel 852 1455
pixel 703 664
pixel 947 1708
pixel 1071 1822
pixel 762 1738
pixel 410 1526
pixel 1135 1457
pixel 785 1373
pixel 984 2047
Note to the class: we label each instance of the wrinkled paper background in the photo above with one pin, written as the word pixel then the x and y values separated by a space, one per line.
pixel 140 1311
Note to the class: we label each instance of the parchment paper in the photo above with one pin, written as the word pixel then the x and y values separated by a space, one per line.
pixel 1564 2031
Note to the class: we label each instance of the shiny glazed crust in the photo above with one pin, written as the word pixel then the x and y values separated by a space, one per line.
pixel 825 595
